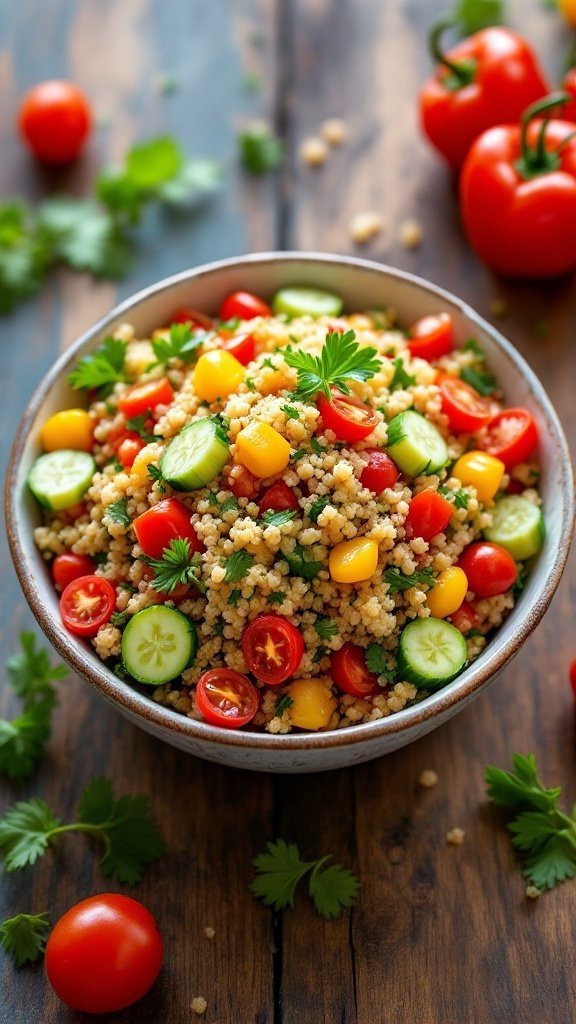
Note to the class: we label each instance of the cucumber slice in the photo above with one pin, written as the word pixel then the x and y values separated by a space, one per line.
pixel 60 478
pixel 431 652
pixel 306 302
pixel 415 444
pixel 196 456
pixel 158 644
pixel 517 525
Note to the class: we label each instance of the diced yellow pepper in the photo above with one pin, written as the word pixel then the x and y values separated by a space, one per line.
pixel 262 449
pixel 71 428
pixel 217 375
pixel 140 465
pixel 448 592
pixel 352 561
pixel 482 471
pixel 313 703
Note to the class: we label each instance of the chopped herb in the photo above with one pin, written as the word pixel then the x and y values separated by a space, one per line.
pixel 472 633
pixel 30 672
pixel 297 455
pixel 119 618
pixel 317 506
pixel 459 497
pixel 213 499
pixel 272 518
pixel 228 325
pixel 472 346
pixel 260 151
pixel 268 362
pixel 399 581
pixel 341 359
pixel 521 578
pixel 325 628
pixel 102 369
pixel 291 412
pixel 317 447
pixel 282 704
pixel 228 504
pixel 279 870
pixel 24 937
pixel 100 558
pixel 252 82
pixel 377 662
pixel 237 566
pixel 318 655
pixel 277 597
pixel 223 425
pixel 138 425
pixel 250 384
pixel 218 629
pixel 401 379
pixel 181 344
pixel 129 587
pixel 301 564
pixel 156 473
pixel 117 511
pixel 177 565
pixel 234 596
pixel 22 739
pixel 482 382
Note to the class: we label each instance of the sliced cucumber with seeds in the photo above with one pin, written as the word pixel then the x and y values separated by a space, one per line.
pixel 517 525
pixel 158 644
pixel 196 456
pixel 430 653
pixel 307 302
pixel 61 478
pixel 415 444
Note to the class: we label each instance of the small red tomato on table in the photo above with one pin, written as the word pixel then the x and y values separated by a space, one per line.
pixel 54 118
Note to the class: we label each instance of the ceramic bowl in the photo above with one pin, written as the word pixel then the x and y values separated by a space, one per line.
pixel 363 285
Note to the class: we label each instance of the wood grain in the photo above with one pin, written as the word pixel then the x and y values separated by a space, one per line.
pixel 441 935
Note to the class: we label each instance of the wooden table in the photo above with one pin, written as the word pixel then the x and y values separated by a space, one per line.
pixel 441 935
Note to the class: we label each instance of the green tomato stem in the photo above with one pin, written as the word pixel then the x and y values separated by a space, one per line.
pixel 462 72
pixel 537 159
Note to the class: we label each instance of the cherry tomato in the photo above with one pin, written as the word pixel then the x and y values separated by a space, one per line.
pixel 242 347
pixel 273 648
pixel 68 567
pixel 429 513
pixel 162 523
pixel 464 618
pixel 464 407
pixel 128 449
pixel 55 120
pixel 568 110
pixel 489 568
pixel 431 336
pixel 192 316
pixel 572 676
pixel 511 436
pixel 279 498
pixel 142 398
pixel 348 417
pixel 86 604
pixel 226 698
pixel 350 673
pixel 242 483
pixel 243 305
pixel 104 954
pixel 380 472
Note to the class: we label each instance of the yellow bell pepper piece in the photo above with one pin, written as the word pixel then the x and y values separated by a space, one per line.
pixel 262 449
pixel 71 428
pixel 448 592
pixel 313 703
pixel 217 374
pixel 352 561
pixel 482 471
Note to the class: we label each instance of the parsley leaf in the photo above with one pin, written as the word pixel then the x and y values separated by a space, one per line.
pixel 156 473
pixel 260 151
pixel 459 497
pixel 282 704
pixel 22 739
pixel 325 628
pixel 377 662
pixel 399 581
pixel 130 837
pixel 482 382
pixel 401 379
pixel 341 359
pixel 543 834
pixel 522 576
pixel 30 672
pixel 272 518
pixel 472 346
pixel 290 412
pixel 234 596
pixel 25 255
pixel 117 511
pixel 317 506
pixel 177 565
pixel 277 597
pixel 85 236
pixel 102 369
pixel 138 425
pixel 24 937
pixel 317 447
pixel 120 619
pixel 181 344
pixel 237 566
pixel 229 503
pixel 279 870
pixel 301 563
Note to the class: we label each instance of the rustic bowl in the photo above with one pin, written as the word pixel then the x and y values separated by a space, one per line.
pixel 363 285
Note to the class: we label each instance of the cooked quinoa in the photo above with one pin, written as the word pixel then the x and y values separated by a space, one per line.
pixel 332 506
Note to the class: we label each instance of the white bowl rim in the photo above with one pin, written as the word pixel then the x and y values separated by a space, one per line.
pixel 87 664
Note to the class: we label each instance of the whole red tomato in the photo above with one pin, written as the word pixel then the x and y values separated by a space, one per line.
pixel 569 86
pixel 104 954
pixel 518 195
pixel 487 79
pixel 55 120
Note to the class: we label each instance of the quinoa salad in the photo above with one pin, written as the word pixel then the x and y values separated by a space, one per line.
pixel 287 517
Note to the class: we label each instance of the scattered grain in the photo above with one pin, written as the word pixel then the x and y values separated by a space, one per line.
pixel 199 1005
pixel 313 151
pixel 365 226
pixel 410 233
pixel 334 131
pixel 428 778
pixel 455 837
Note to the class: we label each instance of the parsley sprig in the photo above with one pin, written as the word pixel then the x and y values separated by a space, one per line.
pixel 180 344
pixel 177 565
pixel 272 518
pixel 237 565
pixel 301 563
pixel 280 869
pixel 399 581
pixel 260 151
pixel 117 511
pixel 130 837
pixel 543 834
pixel 102 369
pixel 341 359
pixel 24 937
pixel 377 662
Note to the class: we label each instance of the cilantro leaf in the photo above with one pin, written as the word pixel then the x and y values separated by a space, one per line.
pixel 482 382
pixel 24 937
pixel 272 518
pixel 177 565
pixel 377 662
pixel 459 497
pixel 279 870
pixel 399 581
pixel 196 181
pixel 180 344
pixel 237 566
pixel 229 503
pixel 260 151
pixel 22 739
pixel 25 255
pixel 332 889
pixel 103 368
pixel 30 672
pixel 25 832
pixel 301 563
pixel 117 511
pixel 85 236
pixel 325 628
pixel 317 506
pixel 290 412
pixel 401 379
pixel 341 359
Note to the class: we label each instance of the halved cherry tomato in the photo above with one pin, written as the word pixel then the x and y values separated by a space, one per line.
pixel 515 487
pixel 279 498
pixel 86 604
pixel 349 418
pixel 431 336
pixel 464 407
pixel 489 568
pixel 511 436
pixel 273 648
pixel 380 472
pixel 162 523
pixel 242 483
pixel 226 698
pixel 55 120
pixel 243 305
pixel 350 673
pixel 192 316
pixel 464 618
pixel 68 567
pixel 128 449
pixel 242 347
pixel 429 513
pixel 142 398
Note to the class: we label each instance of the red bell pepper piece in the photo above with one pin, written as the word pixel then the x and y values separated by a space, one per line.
pixel 487 79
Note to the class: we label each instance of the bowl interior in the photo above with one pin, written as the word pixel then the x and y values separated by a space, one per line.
pixel 363 285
